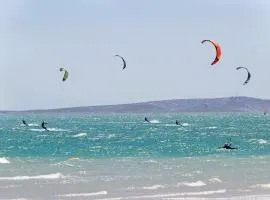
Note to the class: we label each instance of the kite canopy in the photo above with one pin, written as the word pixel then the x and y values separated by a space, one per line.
pixel 248 76
pixel 65 74
pixel 218 50
pixel 124 62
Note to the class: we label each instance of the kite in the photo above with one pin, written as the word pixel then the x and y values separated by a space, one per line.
pixel 124 62
pixel 65 74
pixel 248 77
pixel 218 50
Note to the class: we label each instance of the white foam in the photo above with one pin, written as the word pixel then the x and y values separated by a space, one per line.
pixel 33 124
pixel 192 184
pixel 64 163
pixel 187 175
pixel 49 129
pixel 111 136
pixel 80 135
pixel 42 136
pixel 9 186
pixel 265 186
pixel 185 124
pixel 130 188
pixel 150 161
pixel 261 141
pixel 250 197
pixel 212 127
pixel 153 187
pixel 84 194
pixel 154 121
pixel 215 180
pixel 37 129
pixel 258 141
pixel 156 196
pixel 171 125
pixel 3 160
pixel 244 190
pixel 56 129
pixel 46 177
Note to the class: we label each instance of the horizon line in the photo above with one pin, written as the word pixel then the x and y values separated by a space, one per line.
pixel 140 102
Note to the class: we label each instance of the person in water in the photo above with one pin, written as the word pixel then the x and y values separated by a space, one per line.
pixel 145 119
pixel 227 145
pixel 24 122
pixel 178 123
pixel 43 125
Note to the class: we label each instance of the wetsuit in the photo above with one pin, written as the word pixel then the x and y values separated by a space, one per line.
pixel 43 126
pixel 24 122
pixel 228 146
pixel 145 119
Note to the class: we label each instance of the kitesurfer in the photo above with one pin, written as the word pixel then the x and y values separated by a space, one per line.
pixel 43 125
pixel 227 145
pixel 146 119
pixel 24 122
pixel 177 123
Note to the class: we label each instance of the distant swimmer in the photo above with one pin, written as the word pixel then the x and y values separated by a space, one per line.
pixel 43 125
pixel 146 120
pixel 24 122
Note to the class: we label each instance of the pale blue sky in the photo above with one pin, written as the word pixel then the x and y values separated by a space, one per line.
pixel 160 39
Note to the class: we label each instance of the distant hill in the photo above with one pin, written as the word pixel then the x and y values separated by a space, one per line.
pixel 228 104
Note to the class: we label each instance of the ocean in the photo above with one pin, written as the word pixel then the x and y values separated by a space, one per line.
pixel 119 156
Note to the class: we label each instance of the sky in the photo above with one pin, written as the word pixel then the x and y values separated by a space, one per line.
pixel 160 40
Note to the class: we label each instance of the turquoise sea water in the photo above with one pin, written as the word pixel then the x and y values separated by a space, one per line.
pixel 127 135
pixel 119 156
